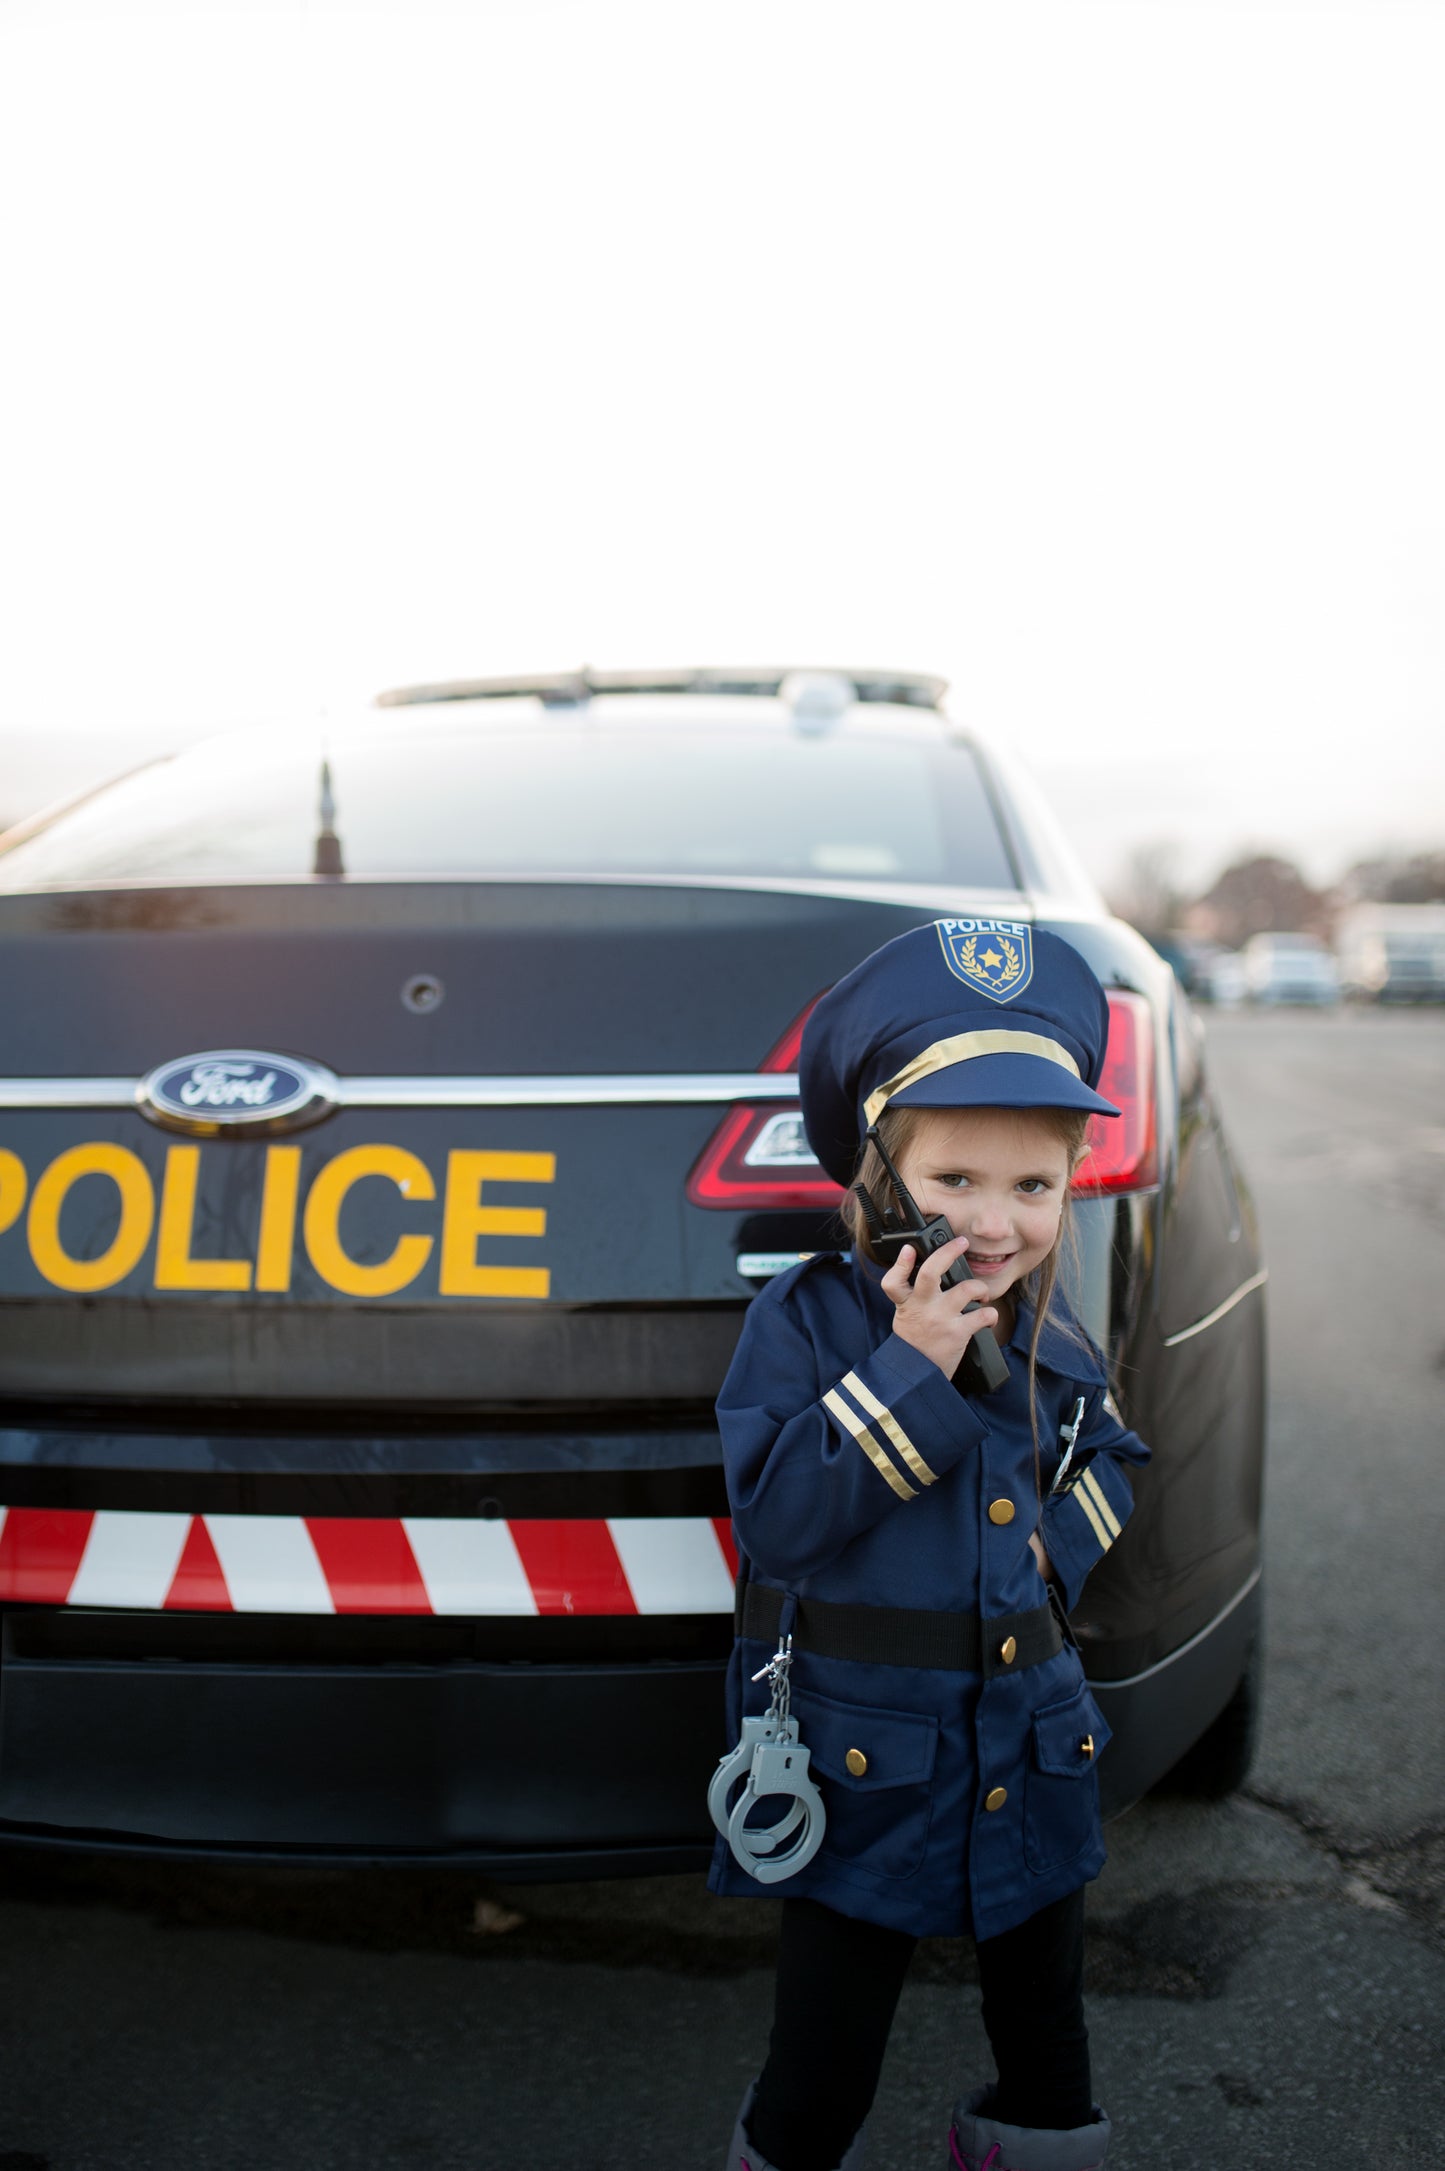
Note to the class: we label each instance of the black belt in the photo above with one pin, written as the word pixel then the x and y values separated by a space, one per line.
pixel 905 1635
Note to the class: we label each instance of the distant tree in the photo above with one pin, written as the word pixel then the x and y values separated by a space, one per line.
pixel 1145 893
pixel 1255 897
pixel 1396 879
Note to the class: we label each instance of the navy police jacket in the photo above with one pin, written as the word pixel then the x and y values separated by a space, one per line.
pixel 959 1799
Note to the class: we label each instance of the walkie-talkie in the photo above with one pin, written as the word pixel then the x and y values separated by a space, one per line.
pixel 983 1369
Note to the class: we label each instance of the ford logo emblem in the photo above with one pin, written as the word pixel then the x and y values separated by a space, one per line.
pixel 242 1090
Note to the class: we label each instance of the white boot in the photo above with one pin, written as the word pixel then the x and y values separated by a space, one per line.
pixel 977 2142
pixel 742 2156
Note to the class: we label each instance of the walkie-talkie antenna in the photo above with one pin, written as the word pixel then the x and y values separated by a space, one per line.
pixel 905 1198
pixel 876 1224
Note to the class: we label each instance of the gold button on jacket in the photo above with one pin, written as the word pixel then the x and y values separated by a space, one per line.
pixel 996 1798
pixel 1008 1650
pixel 856 1762
pixel 1000 1511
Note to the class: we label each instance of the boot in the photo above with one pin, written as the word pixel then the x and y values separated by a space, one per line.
pixel 742 2156
pixel 977 2142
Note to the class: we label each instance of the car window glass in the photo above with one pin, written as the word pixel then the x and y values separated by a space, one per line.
pixel 549 798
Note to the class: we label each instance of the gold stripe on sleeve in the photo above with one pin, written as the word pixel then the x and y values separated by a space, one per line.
pixel 1105 1541
pixel 891 1426
pixel 853 1423
pixel 1101 1501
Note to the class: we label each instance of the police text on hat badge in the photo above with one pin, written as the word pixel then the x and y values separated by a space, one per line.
pixel 994 956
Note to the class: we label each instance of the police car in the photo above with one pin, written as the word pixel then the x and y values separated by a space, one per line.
pixel 393 1131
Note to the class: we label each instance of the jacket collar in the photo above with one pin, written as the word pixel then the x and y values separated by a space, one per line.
pixel 1069 1354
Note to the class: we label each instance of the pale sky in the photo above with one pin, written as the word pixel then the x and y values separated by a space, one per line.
pixel 1092 354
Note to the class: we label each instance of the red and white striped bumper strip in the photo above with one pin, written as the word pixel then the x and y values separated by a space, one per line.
pixel 355 1564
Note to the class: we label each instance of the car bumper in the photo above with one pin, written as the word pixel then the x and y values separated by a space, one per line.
pixel 114 1739
pixel 525 1768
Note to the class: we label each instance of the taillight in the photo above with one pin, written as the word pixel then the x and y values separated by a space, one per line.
pixel 1123 1150
pixel 759 1156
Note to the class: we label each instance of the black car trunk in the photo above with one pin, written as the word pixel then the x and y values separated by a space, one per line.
pixel 484 1255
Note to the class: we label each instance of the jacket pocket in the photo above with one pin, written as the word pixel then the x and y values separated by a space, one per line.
pixel 875 1773
pixel 1061 1790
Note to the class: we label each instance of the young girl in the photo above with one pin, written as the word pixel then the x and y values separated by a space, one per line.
pixel 922 1542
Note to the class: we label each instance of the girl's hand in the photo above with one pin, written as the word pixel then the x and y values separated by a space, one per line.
pixel 932 1319
pixel 1036 1547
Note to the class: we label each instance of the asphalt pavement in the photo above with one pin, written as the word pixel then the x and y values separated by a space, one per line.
pixel 1267 1974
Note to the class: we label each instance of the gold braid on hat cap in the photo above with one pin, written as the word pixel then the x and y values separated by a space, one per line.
pixel 961 1049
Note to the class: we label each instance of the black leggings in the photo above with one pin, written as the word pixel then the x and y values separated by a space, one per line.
pixel 838 1986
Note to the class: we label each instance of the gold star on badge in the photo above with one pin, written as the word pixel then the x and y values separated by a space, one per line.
pixel 992 959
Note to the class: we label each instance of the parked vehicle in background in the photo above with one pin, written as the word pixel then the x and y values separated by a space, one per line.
pixel 1393 953
pixel 1226 982
pixel 390 1145
pixel 1288 968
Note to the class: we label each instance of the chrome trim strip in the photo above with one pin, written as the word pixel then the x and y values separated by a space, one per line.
pixel 1256 1281
pixel 606 1091
pixel 68 1092
pixel 1150 1673
pixel 610 1090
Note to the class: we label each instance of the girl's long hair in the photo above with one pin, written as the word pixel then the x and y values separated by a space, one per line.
pixel 896 1127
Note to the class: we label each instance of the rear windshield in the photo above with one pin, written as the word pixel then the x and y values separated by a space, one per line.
pixel 547 798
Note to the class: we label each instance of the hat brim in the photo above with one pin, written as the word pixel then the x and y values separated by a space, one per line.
pixel 1002 1081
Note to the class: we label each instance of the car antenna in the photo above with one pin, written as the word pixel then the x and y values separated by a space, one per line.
pixel 328 860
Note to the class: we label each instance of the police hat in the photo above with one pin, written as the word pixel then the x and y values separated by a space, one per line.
pixel 967 1013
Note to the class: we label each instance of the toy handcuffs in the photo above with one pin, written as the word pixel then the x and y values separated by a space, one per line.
pixel 770 1761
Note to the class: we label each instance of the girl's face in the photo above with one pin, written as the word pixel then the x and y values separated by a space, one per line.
pixel 1000 1175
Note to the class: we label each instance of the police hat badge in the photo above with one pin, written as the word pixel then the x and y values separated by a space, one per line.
pixel 994 956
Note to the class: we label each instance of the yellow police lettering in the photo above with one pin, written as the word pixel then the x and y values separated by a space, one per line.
pixel 465 1219
pixel 13 1183
pixel 137 1215
pixel 319 1223
pixel 175 1266
pixel 279 1191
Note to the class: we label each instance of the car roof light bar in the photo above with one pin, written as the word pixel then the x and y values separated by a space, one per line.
pixel 906 689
